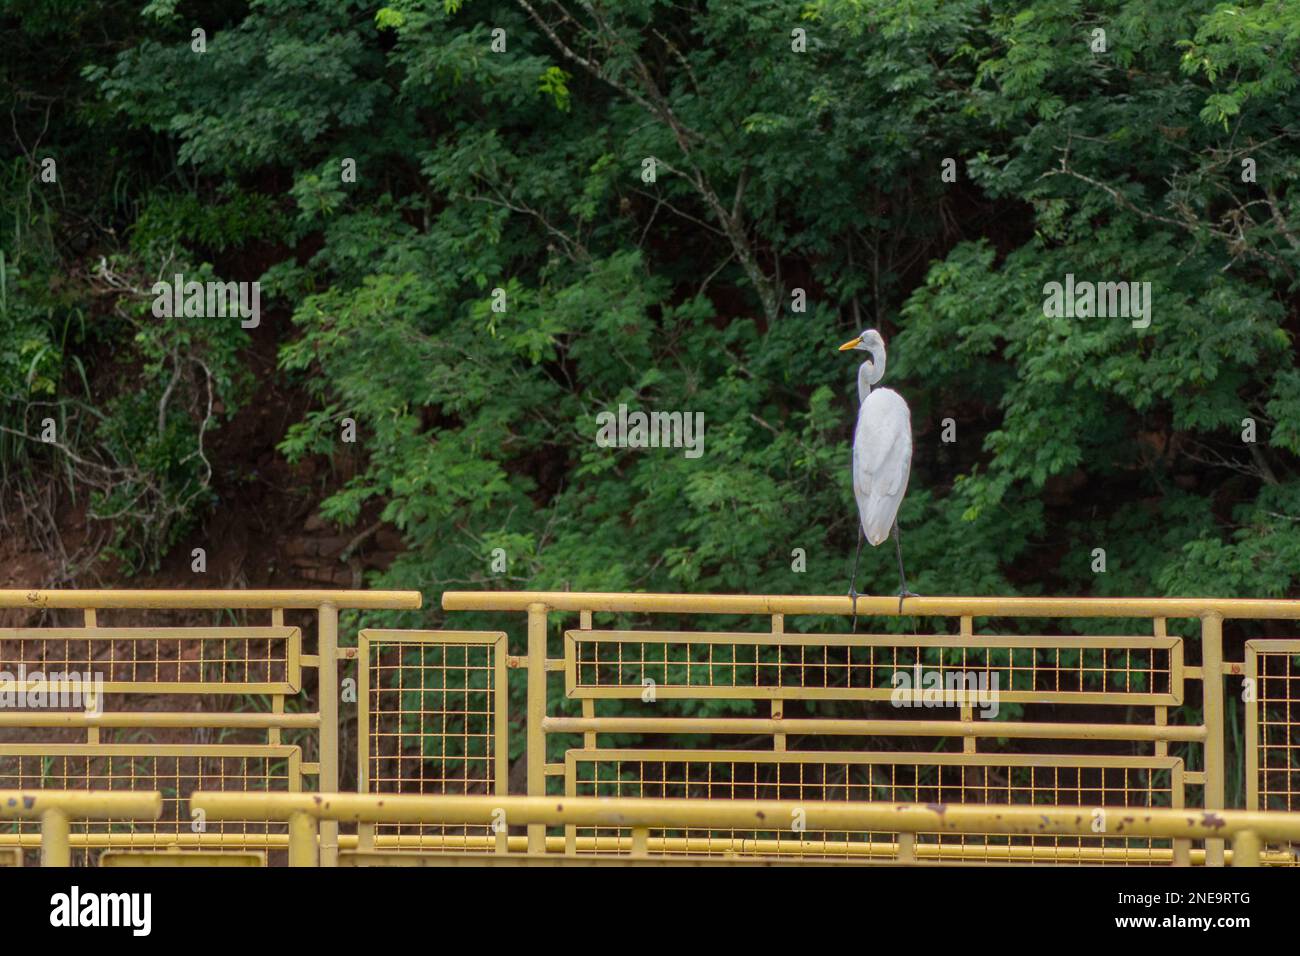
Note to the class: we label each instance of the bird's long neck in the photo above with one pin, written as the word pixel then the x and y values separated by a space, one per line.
pixel 864 381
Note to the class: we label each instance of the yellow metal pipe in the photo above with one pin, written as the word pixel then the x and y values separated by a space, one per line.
pixel 1245 848
pixel 302 840
pixel 1066 854
pixel 175 857
pixel 536 706
pixel 907 847
pixel 1212 664
pixel 726 845
pixel 748 814
pixel 793 604
pixel 328 693
pixel 640 842
pixel 55 850
pixel 147 840
pixel 81 804
pixel 146 718
pixel 217 599
pixel 523 858
pixel 854 728
pixel 613 844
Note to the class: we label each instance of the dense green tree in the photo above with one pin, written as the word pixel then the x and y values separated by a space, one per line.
pixel 1160 150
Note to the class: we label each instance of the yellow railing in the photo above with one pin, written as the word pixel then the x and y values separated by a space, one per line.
pixel 304 813
pixel 432 718
pixel 1132 683
pixel 257 728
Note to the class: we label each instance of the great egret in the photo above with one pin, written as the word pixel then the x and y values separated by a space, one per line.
pixel 882 458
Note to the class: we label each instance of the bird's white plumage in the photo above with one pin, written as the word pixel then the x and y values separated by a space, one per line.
pixel 882 457
pixel 882 460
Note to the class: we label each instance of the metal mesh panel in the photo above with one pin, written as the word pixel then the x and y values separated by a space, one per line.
pixel 1273 731
pixel 160 659
pixel 1119 670
pixel 1278 712
pixel 433 720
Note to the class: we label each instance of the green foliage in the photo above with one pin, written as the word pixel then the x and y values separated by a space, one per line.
pixel 131 398
pixel 522 172
pixel 171 220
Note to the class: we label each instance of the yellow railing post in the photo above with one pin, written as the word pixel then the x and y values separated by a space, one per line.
pixel 1215 759
pixel 55 847
pixel 907 848
pixel 1246 847
pixel 302 839
pixel 536 714
pixel 328 625
pixel 640 843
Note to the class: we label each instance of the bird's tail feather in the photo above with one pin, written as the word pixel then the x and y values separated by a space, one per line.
pixel 878 520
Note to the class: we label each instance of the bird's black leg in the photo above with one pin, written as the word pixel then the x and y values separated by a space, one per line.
pixel 903 592
pixel 854 579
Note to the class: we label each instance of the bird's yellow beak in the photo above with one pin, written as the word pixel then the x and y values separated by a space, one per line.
pixel 850 345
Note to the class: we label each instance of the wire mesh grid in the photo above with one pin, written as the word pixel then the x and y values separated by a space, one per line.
pixel 1273 732
pixel 158 659
pixel 434 706
pixel 1120 670
pixel 1278 712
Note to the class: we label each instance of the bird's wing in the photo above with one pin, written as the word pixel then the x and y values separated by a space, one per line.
pixel 882 461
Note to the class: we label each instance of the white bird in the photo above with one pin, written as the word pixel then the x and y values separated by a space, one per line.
pixel 882 458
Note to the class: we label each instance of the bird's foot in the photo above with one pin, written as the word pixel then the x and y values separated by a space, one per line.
pixel 853 594
pixel 904 594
